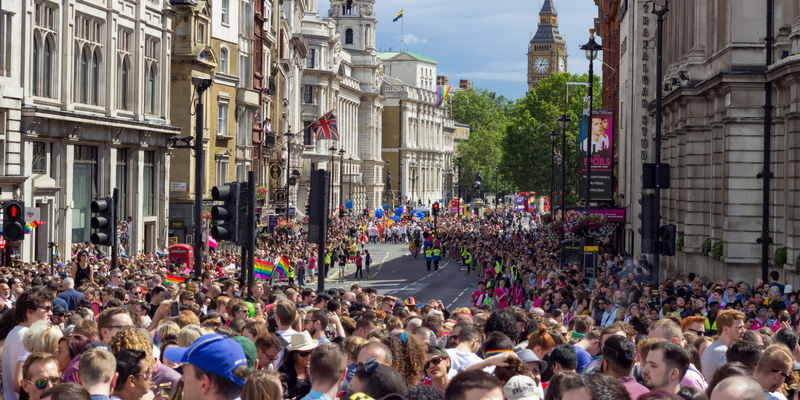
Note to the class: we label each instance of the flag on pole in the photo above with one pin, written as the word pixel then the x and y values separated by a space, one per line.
pixel 398 16
pixel 283 266
pixel 441 95
pixel 325 127
pixel 263 269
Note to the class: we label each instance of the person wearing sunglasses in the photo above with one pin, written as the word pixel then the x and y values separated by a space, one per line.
pixel 437 365
pixel 295 368
pixel 39 373
pixel 135 372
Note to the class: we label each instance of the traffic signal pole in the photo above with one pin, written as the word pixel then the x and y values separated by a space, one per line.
pixel 251 229
pixel 114 238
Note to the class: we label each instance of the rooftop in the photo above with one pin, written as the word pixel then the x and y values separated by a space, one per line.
pixel 388 55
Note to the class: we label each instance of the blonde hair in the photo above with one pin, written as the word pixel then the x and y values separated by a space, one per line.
pixel 166 328
pixel 42 337
pixel 263 385
pixel 188 334
pixel 352 346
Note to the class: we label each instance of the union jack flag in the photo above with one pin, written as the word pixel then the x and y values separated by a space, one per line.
pixel 325 128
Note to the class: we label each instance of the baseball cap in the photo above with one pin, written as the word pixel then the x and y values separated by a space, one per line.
pixel 216 354
pixel 249 351
pixel 527 355
pixel 521 387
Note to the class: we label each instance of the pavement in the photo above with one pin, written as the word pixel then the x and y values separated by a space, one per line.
pixel 395 272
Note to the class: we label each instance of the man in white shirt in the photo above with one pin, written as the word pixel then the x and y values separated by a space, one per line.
pixel 285 314
pixel 32 306
pixel 463 355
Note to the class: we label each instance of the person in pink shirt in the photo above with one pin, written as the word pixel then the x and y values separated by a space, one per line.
pixel 518 293
pixel 501 294
pixel 479 295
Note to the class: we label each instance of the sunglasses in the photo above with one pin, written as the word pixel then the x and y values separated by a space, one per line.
pixel 696 332
pixel 145 375
pixel 304 353
pixel 48 308
pixel 782 373
pixel 42 383
pixel 433 362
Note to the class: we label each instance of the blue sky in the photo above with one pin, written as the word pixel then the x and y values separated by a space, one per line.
pixel 483 41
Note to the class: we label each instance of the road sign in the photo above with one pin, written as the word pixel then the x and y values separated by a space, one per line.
pixel 590 248
pixel 292 211
pixel 441 200
pixel 280 196
pixel 273 220
pixel 348 204
pixel 275 171
pixel 305 219
pixel 385 206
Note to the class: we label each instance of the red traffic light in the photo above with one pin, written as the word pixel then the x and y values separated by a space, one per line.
pixel 14 211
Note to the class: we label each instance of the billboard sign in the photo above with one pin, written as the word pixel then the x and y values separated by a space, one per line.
pixel 600 138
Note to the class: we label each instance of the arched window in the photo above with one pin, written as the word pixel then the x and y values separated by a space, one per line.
pixel 84 78
pixel 95 77
pixel 35 64
pixel 348 36
pixel 151 90
pixel 123 82
pixel 48 68
pixel 223 60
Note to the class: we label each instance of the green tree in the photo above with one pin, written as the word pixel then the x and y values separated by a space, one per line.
pixel 487 117
pixel 527 150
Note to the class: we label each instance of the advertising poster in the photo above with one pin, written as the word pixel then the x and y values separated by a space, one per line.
pixel 520 203
pixel 600 138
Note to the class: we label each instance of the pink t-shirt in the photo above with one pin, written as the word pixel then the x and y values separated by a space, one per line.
pixel 501 304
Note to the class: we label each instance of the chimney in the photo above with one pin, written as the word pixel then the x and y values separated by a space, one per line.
pixel 465 84
pixel 441 80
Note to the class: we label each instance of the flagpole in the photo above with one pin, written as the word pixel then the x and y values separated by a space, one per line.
pixel 402 38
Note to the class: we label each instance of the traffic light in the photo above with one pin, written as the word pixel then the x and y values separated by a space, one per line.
pixel 103 222
pixel 648 228
pixel 435 209
pixel 308 209
pixel 226 215
pixel 341 212
pixel 667 236
pixel 14 220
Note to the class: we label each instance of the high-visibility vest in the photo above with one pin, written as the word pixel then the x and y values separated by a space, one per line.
pixel 290 272
pixel 428 254
pixel 498 267
pixel 327 258
pixel 469 258
pixel 713 327
pixel 437 254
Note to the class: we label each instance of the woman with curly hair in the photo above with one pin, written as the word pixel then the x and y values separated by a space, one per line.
pixel 133 339
pixel 408 356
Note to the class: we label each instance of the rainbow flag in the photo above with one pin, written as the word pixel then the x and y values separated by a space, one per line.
pixel 283 266
pixel 441 95
pixel 141 257
pixel 263 269
pixel 398 16
pixel 174 279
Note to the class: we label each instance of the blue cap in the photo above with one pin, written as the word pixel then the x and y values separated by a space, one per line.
pixel 216 354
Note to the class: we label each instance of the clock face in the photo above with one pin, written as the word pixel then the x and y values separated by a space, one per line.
pixel 562 65
pixel 541 65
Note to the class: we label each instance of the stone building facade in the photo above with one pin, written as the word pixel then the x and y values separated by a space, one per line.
pixel 417 147
pixel 713 128
pixel 84 108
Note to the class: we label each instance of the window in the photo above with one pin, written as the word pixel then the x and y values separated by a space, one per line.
pixel 348 36
pixel 241 172
pixel 308 94
pixel 222 118
pixel 84 78
pixel 5 45
pixel 222 170
pixel 84 191
pixel 148 182
pixel 310 60
pixel 201 33
pixel 35 64
pixel 39 163
pixel 244 129
pixel 225 11
pixel 124 103
pixel 122 182
pixel 223 60
pixel 151 90
pixel 308 137
pixel 95 77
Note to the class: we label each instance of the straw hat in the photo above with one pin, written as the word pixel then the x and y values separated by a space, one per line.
pixel 302 341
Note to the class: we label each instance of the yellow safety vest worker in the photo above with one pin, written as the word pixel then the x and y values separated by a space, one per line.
pixel 428 254
pixel 327 258
pixel 713 327
pixel 437 254
pixel 469 258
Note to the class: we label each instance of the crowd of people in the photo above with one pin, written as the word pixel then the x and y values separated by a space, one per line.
pixel 534 329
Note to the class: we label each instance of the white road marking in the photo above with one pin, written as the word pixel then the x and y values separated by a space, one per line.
pixel 457 297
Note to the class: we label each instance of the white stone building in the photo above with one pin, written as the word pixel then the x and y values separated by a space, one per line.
pixel 713 129
pixel 343 73
pixel 417 147
pixel 84 104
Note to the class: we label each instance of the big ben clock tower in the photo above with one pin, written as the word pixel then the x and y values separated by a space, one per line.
pixel 547 51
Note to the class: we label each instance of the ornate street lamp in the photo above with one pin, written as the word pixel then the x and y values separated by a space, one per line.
pixel 563 121
pixel 592 49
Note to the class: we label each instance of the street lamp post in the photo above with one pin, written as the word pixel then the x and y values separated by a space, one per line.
pixel 350 181
pixel 413 180
pixel 289 135
pixel 564 120
pixel 591 48
pixel 659 83
pixel 459 186
pixel 386 193
pixel 553 137
pixel 400 181
pixel 330 189
pixel 341 177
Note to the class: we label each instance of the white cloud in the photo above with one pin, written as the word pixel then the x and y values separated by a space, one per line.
pixel 410 38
